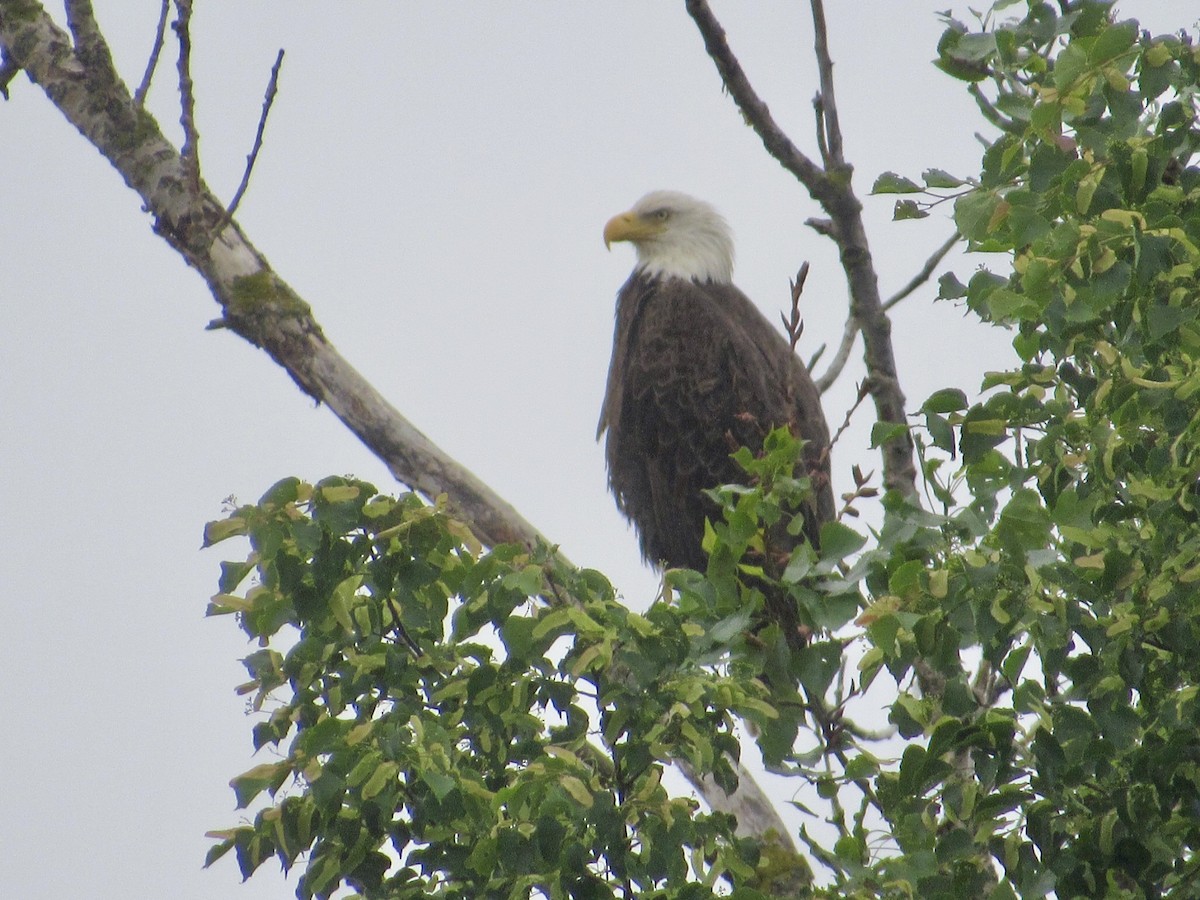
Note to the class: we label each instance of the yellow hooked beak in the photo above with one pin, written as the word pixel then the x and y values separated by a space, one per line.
pixel 629 226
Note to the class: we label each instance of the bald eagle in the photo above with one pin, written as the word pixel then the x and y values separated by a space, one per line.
pixel 696 371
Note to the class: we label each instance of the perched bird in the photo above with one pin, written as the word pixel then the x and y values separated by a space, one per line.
pixel 696 371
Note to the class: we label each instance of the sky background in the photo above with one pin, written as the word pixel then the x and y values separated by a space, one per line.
pixel 434 183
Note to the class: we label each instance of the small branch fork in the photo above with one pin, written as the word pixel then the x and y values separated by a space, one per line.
pixel 85 32
pixel 850 332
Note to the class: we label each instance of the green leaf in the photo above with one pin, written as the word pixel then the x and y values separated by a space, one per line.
pixel 342 599
pixel 265 777
pixel 950 288
pixel 974 212
pixel 1162 320
pixel 1112 42
pixel 223 529
pixel 940 432
pixel 282 492
pixel 817 665
pixel 908 209
pixel 577 789
pixel 883 432
pixel 945 400
pixel 839 541
pixel 1070 66
pixel 440 784
pixel 517 635
pixel 939 178
pixel 733 625
pixel 342 493
pixel 384 775
pixel 891 183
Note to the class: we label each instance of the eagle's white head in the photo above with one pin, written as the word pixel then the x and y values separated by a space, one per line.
pixel 676 236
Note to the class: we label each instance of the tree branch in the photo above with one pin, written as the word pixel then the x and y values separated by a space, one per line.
pixel 840 358
pixel 850 332
pixel 268 100
pixel 828 115
pixel 756 113
pixel 260 307
pixel 926 270
pixel 139 96
pixel 81 20
pixel 831 188
pixel 187 97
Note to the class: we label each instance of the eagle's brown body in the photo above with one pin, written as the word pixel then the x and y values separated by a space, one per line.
pixel 697 371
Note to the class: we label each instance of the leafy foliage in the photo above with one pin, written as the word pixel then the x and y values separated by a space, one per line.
pixel 1071 761
pixel 440 733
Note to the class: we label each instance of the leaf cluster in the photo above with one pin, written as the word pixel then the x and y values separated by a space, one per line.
pixel 451 722
pixel 1068 763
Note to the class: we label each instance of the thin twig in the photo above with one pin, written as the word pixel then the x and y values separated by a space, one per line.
pixel 401 632
pixel 841 357
pixel 990 112
pixel 272 89
pixel 864 391
pixel 795 326
pixel 926 270
pixel 139 96
pixel 822 142
pixel 825 381
pixel 862 490
pixel 832 150
pixel 190 151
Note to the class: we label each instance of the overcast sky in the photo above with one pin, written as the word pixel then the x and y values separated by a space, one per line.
pixel 434 183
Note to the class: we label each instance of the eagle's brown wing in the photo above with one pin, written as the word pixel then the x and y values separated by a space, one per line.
pixel 697 371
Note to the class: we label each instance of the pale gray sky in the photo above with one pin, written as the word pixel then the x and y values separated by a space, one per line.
pixel 434 183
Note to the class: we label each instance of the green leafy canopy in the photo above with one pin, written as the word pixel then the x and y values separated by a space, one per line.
pixel 450 721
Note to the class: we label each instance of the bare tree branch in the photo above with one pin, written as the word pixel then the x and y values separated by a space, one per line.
pixel 139 96
pixel 850 332
pixel 260 307
pixel 187 97
pixel 268 100
pixel 990 112
pixel 832 131
pixel 756 113
pixel 925 272
pixel 831 188
pixel 757 816
pixel 256 302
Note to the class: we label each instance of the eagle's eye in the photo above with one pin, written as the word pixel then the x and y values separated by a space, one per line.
pixel 661 214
